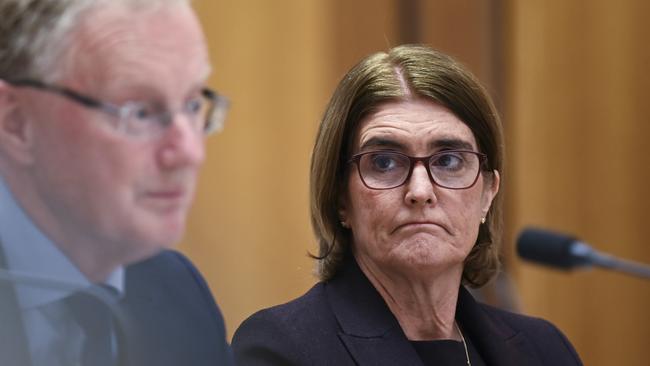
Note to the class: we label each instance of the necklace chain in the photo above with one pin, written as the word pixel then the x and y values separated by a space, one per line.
pixel 462 338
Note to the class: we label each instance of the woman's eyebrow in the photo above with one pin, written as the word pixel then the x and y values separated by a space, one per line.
pixel 442 143
pixel 451 143
pixel 381 142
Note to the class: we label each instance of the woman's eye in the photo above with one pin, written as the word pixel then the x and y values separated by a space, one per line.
pixel 383 162
pixel 449 161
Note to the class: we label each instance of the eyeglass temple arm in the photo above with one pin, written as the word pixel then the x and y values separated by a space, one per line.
pixel 87 101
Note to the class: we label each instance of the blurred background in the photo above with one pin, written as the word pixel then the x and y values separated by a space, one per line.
pixel 570 78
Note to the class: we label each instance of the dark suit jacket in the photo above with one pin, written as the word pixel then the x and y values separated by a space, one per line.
pixel 346 322
pixel 172 319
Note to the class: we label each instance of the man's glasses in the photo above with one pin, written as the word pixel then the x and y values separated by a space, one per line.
pixel 206 111
pixel 453 169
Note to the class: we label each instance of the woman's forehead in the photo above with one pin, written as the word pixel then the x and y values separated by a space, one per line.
pixel 413 124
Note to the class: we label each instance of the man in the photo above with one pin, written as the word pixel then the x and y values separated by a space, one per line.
pixel 103 113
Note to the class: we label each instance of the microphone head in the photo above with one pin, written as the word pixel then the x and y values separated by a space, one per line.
pixel 552 249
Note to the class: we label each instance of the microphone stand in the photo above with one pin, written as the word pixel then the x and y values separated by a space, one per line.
pixel 620 265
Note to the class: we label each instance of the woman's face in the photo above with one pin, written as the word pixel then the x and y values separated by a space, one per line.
pixel 417 228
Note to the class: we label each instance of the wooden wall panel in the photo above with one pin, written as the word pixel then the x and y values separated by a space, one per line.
pixel 577 132
pixel 249 229
pixel 467 30
pixel 357 29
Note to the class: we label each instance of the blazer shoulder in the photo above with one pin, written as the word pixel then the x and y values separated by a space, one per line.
pixel 307 308
pixel 170 274
pixel 519 322
pixel 284 334
pixel 547 338
pixel 169 267
pixel 169 283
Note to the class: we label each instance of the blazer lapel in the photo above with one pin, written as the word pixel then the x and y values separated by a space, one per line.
pixel 369 330
pixel 497 343
pixel 389 349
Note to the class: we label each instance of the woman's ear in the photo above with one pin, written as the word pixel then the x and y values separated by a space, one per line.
pixel 490 190
pixel 343 213
pixel 16 137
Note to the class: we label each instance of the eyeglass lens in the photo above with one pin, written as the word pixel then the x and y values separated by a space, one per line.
pixel 143 119
pixel 449 169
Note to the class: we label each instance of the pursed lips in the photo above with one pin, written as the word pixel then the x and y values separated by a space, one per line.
pixel 420 226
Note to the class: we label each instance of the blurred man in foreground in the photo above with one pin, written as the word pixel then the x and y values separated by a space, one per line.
pixel 103 114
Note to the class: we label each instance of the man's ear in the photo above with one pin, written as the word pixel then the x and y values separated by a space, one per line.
pixel 16 137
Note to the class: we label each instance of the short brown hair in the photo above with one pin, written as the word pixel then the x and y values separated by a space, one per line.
pixel 378 79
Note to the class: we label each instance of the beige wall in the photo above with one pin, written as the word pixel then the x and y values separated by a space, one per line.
pixel 249 231
pixel 578 123
pixel 572 83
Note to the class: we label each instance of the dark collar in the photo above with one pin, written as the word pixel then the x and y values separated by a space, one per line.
pixel 369 330
pixel 372 334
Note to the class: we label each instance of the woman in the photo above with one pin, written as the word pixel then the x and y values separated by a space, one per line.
pixel 404 183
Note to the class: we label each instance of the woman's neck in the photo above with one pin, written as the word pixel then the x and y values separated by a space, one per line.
pixel 425 306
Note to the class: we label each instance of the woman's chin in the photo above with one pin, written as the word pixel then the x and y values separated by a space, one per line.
pixel 427 256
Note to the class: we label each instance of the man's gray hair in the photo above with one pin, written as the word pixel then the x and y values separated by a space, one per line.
pixel 34 33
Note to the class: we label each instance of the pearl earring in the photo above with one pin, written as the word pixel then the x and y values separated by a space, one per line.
pixel 482 220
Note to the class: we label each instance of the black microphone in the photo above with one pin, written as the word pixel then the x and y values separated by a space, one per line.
pixel 566 252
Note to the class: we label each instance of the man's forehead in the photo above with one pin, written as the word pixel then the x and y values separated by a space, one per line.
pixel 121 26
pixel 119 42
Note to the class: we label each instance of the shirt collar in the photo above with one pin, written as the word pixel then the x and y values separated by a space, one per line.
pixel 27 250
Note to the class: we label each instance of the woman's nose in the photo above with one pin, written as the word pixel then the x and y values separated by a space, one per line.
pixel 420 187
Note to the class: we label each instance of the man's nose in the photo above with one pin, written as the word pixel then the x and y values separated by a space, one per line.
pixel 182 145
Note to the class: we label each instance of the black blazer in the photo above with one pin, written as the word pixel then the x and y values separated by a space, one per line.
pixel 172 319
pixel 346 322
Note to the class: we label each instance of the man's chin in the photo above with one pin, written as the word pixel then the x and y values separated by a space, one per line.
pixel 167 229
pixel 169 236
pixel 156 238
